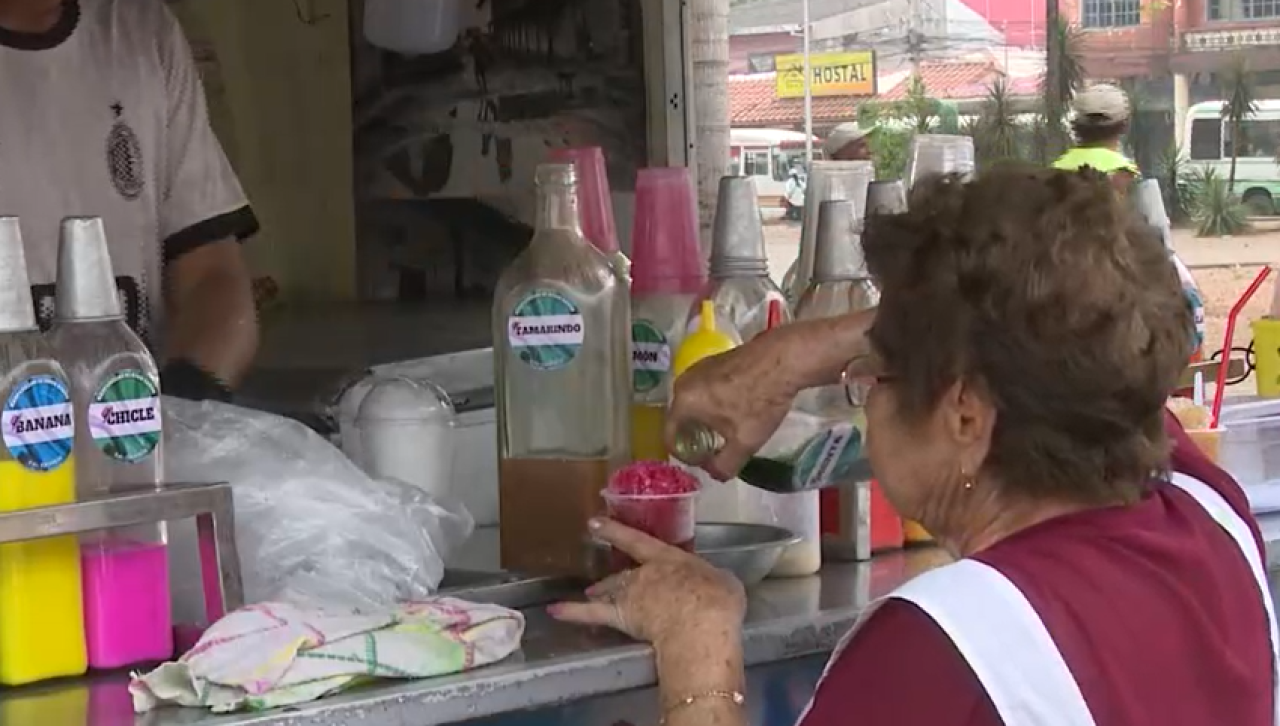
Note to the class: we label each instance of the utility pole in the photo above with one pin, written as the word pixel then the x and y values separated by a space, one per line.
pixel 1054 111
pixel 808 88
pixel 915 37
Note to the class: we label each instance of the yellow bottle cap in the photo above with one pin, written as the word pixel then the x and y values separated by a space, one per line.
pixel 704 342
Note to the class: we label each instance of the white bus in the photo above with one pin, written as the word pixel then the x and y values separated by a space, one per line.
pixel 1209 146
pixel 767 155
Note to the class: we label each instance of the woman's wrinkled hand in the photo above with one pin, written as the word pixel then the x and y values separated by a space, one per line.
pixel 743 395
pixel 669 596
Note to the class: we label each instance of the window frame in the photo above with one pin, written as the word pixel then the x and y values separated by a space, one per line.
pixel 1113 14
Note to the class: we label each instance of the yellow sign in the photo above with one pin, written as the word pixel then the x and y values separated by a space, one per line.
pixel 834 74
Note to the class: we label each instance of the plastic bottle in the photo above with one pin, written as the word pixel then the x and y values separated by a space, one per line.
pixel 740 290
pixel 562 375
pixel 115 388
pixel 800 513
pixel 740 285
pixel 41 612
pixel 667 275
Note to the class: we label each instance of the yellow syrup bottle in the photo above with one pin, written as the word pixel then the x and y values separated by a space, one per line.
pixel 41 612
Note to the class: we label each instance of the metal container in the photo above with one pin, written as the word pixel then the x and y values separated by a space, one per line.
pixel 749 551
pixel 1148 201
pixel 933 154
pixel 886 197
pixel 17 312
pixel 86 284
pixel 737 242
pixel 830 181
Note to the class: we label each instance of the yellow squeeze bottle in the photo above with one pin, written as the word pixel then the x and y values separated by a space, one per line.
pixel 703 342
pixel 41 612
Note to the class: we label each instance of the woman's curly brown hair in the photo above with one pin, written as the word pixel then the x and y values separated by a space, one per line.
pixel 1041 288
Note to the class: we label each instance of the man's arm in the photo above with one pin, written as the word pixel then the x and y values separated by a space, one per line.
pixel 211 332
pixel 211 317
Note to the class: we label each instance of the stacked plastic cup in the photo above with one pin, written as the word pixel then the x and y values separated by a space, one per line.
pixel 666 277
pixel 664 239
pixel 595 203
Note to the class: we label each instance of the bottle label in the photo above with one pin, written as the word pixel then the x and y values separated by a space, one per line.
pixel 650 356
pixel 124 417
pixel 546 330
pixel 833 456
pixel 38 427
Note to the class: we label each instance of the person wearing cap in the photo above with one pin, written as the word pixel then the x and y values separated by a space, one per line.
pixel 1101 119
pixel 124 135
pixel 848 142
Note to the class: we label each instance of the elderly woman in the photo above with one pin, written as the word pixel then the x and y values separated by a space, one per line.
pixel 1014 376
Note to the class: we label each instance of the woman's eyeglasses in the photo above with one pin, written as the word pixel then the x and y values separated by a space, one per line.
pixel 861 374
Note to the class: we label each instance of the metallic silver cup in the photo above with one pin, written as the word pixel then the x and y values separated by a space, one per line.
pixel 17 312
pixel 86 280
pixel 737 241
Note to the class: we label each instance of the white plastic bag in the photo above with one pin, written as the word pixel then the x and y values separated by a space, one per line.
pixel 311 528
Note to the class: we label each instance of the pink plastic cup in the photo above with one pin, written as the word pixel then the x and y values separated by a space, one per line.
pixel 666 517
pixel 665 257
pixel 595 203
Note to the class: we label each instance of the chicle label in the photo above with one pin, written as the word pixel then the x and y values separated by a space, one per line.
pixel 834 456
pixel 37 423
pixel 546 330
pixel 650 356
pixel 124 417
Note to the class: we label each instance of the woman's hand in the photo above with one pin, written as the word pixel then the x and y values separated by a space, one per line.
pixel 743 395
pixel 671 597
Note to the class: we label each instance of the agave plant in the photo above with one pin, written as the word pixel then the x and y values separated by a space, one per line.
pixel 1217 210
pixel 996 130
pixel 1178 183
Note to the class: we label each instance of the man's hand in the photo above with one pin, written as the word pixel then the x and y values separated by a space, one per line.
pixel 211 321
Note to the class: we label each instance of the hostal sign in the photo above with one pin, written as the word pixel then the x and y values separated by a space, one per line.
pixel 834 74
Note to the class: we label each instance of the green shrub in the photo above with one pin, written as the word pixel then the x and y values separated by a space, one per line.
pixel 1216 210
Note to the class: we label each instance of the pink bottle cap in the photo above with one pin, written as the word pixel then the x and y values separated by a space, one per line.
pixel 665 257
pixel 595 204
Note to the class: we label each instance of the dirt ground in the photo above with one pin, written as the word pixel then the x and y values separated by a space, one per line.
pixel 1223 267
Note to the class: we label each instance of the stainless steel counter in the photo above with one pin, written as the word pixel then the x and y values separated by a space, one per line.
pixel 558 664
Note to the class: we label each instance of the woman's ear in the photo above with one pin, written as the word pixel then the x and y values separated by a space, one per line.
pixel 969 417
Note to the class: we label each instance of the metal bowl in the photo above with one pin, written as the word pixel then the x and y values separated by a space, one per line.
pixel 749 551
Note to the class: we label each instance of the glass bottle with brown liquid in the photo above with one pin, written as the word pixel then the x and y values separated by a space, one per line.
pixel 561 343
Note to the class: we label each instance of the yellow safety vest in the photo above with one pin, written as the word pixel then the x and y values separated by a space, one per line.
pixel 1096 157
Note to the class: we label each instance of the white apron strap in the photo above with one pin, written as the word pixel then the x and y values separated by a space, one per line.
pixel 1226 517
pixel 1003 640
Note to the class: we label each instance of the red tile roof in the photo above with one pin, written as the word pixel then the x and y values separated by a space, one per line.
pixel 947 80
pixel 752 101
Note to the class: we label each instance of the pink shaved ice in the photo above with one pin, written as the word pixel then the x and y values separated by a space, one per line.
pixel 652 478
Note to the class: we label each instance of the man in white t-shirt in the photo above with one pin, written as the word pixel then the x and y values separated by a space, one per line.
pixel 102 113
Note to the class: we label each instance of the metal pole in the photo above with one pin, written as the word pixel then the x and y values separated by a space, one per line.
pixel 808 91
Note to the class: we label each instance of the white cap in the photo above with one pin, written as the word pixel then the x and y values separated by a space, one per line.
pixel 1102 100
pixel 843 135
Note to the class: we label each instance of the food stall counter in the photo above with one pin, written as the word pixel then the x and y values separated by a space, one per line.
pixel 562 674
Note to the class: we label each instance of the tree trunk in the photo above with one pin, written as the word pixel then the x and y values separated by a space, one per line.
pixel 1235 154
pixel 710 60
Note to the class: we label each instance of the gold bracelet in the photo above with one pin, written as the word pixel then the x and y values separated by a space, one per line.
pixel 735 697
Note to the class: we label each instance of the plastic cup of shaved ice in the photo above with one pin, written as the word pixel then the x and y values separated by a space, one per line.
pixel 657 499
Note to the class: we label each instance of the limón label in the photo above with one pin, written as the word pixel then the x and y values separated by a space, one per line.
pixel 650 356
pixel 37 423
pixel 124 416
pixel 546 330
